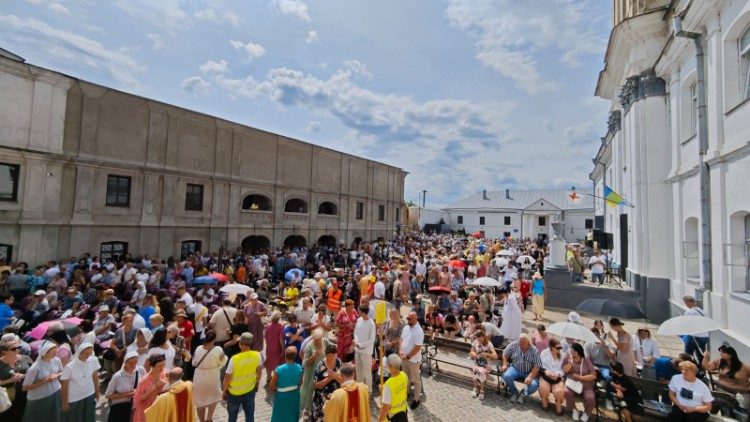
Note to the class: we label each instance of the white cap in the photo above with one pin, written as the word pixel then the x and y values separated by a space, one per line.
pixel 40 293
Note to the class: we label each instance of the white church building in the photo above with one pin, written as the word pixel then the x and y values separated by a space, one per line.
pixel 663 157
pixel 517 213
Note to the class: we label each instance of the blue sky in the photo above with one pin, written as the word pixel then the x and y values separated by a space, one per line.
pixel 464 95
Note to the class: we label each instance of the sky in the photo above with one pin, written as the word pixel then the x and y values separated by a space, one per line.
pixel 464 95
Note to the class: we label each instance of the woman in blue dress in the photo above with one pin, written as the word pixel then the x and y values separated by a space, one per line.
pixel 285 383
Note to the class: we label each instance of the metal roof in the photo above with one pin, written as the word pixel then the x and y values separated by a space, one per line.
pixel 522 199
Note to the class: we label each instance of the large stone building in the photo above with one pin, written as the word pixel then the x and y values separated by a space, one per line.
pixel 656 154
pixel 515 213
pixel 86 168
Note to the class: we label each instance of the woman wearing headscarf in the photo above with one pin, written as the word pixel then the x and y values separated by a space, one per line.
pixel 43 386
pixel 56 334
pixel 122 386
pixel 80 386
pixel 140 345
pixel 152 385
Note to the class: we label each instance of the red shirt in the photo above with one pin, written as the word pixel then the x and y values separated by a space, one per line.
pixel 186 329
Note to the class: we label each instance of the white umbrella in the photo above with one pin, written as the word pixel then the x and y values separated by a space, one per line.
pixel 572 330
pixel 236 288
pixel 501 262
pixel 687 325
pixel 487 282
pixel 505 252
pixel 522 258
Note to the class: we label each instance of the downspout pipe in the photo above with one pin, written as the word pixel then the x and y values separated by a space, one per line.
pixel 704 175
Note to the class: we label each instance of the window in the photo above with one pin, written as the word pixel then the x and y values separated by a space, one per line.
pixel 589 223
pixel 481 220
pixel 194 197
pixel 506 220
pixel 113 250
pixel 296 205
pixel 381 212
pixel 118 191
pixel 189 247
pixel 460 219
pixel 9 182
pixel 360 214
pixel 256 203
pixel 398 215
pixel 693 129
pixel 6 252
pixel 745 63
pixel 506 234
pixel 691 249
pixel 542 221
pixel 327 208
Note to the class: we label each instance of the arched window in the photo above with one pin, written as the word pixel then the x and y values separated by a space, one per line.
pixel 744 45
pixel 296 205
pixel 327 208
pixel 254 244
pixel 256 203
pixel 295 241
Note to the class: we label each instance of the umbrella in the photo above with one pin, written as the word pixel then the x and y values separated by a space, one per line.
pixel 572 330
pixel 219 277
pixel 289 276
pixel 235 288
pixel 501 262
pixel 505 252
pixel 70 325
pixel 611 308
pixel 206 279
pixel 521 259
pixel 687 325
pixel 438 289
pixel 487 282
pixel 478 235
pixel 456 263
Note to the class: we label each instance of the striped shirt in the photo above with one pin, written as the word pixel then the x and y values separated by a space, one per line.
pixel 523 361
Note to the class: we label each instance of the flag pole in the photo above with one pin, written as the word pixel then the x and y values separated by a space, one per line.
pixel 601 197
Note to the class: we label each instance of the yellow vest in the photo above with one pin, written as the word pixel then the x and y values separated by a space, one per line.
pixel 399 386
pixel 245 365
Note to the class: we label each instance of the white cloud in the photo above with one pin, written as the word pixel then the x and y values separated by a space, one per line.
pixel 64 44
pixel 211 15
pixel 165 14
pixel 195 85
pixel 314 126
pixel 252 49
pixel 296 8
pixel 59 8
pixel 312 37
pixel 211 67
pixel 509 35
pixel 157 41
pixel 357 67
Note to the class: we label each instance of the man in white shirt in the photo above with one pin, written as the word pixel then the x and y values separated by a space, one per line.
pixel 412 339
pixel 597 264
pixel 364 341
pixel 305 312
pixel 695 344
pixel 221 321
pixel 182 294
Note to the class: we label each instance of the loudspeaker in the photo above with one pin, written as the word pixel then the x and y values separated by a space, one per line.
pixel 604 240
pixel 598 222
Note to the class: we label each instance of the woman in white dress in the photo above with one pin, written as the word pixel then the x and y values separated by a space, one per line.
pixel 208 361
pixel 511 326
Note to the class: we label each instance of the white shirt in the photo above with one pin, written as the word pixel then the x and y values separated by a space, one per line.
pixel 645 348
pixel 597 264
pixel 421 269
pixel 79 374
pixel 221 322
pixel 491 329
pixel 138 322
pixel 326 319
pixel 549 364
pixel 364 335
pixel 207 295
pixel 379 291
pixel 187 298
pixel 168 353
pixel 696 311
pixel 200 312
pixel 410 337
pixel 684 390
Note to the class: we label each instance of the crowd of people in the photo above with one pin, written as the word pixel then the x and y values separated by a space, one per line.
pixel 159 338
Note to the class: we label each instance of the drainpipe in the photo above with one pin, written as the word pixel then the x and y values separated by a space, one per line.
pixel 704 175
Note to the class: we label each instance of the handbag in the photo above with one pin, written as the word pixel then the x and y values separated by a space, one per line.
pixel 5 402
pixel 574 385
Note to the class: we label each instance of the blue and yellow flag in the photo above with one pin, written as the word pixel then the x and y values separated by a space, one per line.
pixel 613 198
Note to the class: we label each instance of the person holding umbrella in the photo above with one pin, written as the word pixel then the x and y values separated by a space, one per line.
pixel 694 344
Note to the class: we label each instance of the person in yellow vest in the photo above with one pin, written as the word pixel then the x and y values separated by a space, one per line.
pixel 176 404
pixel 241 380
pixel 350 402
pixel 395 391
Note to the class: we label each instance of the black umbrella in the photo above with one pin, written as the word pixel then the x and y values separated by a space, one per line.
pixel 611 308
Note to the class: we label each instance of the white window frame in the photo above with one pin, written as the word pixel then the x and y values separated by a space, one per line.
pixel 693 129
pixel 744 49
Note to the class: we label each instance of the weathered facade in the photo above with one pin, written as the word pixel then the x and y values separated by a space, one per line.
pixel 86 168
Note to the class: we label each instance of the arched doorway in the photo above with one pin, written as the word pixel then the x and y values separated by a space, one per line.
pixel 327 240
pixel 253 244
pixel 295 241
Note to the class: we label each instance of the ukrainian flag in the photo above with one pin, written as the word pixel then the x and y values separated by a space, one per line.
pixel 613 198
